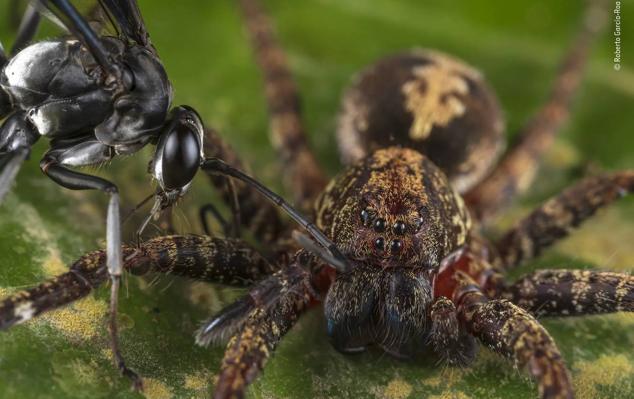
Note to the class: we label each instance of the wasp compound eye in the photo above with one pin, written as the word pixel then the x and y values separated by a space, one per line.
pixel 379 225
pixel 180 157
pixel 379 244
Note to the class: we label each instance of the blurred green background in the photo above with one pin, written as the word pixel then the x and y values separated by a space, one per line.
pixel 517 45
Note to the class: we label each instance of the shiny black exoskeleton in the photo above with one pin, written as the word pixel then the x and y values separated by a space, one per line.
pixel 58 89
pixel 95 97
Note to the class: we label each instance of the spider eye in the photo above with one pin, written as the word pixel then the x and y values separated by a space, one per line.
pixel 365 217
pixel 396 246
pixel 379 225
pixel 399 228
pixel 423 215
pixel 379 244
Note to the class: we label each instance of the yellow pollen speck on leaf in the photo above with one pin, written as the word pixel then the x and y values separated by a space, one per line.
pixel 156 389
pixel 81 320
pixel 397 389
pixel 615 371
pixel 197 382
pixel 450 395
pixel 53 265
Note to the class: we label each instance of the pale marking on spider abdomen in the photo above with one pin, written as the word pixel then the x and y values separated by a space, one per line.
pixel 433 95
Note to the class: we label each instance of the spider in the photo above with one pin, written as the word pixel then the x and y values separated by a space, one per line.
pixel 422 275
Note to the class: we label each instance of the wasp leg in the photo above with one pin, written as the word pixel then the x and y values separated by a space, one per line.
pixel 76 23
pixel 260 218
pixel 302 174
pixel 9 167
pixel 559 215
pixel 511 331
pixel 27 30
pixel 229 229
pixel 257 322
pixel 17 135
pixel 516 171
pixel 91 152
pixel 3 56
pixel 573 292
pixel 211 209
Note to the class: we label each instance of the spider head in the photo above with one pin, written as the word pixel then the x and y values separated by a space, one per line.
pixel 394 209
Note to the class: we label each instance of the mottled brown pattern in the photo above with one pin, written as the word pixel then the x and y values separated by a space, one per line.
pixel 455 120
pixel 517 169
pixel 573 292
pixel 395 185
pixel 250 348
pixel 449 341
pixel 512 332
pixel 259 217
pixel 302 175
pixel 86 273
pixel 557 217
pixel 224 261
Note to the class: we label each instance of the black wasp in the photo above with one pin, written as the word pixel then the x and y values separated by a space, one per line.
pixel 95 97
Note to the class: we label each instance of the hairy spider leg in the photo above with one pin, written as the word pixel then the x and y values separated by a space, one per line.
pixel 512 332
pixel 302 175
pixel 572 292
pixel 256 323
pixel 518 167
pixel 225 261
pixel 556 218
pixel 500 325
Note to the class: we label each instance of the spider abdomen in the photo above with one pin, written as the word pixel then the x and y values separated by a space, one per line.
pixel 428 101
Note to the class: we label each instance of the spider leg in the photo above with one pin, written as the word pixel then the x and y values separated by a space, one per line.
pixel 302 174
pixel 559 215
pixel 258 322
pixel 448 340
pixel 573 292
pixel 516 171
pixel 511 331
pixel 248 209
pixel 226 261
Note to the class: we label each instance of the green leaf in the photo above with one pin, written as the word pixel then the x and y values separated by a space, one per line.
pixel 43 228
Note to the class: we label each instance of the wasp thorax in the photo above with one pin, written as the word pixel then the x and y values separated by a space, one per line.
pixel 395 208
